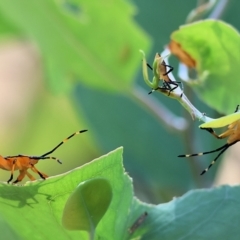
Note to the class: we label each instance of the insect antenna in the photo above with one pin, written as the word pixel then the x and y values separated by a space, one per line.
pixel 44 156
pixel 65 140
pixel 203 153
pixel 216 158
pixel 223 148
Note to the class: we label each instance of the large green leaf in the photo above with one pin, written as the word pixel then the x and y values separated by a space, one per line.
pixel 214 45
pixel 198 215
pixel 95 42
pixel 7 30
pixel 7 232
pixel 34 211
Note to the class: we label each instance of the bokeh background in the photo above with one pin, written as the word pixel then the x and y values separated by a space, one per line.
pixel 72 65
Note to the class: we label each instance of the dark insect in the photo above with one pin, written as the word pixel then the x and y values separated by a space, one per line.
pixel 137 223
pixel 162 73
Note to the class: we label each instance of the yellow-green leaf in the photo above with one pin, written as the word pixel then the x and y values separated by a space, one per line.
pixel 222 121
pixel 214 45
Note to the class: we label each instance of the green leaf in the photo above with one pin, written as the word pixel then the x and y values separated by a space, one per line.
pixel 199 214
pixel 34 211
pixel 214 46
pixel 86 41
pixel 221 122
pixel 134 139
pixel 87 205
pixel 7 232
pixel 6 29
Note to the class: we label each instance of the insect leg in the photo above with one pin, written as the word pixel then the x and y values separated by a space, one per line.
pixel 42 175
pixel 203 153
pixel 30 176
pixel 162 88
pixel 176 85
pixel 21 176
pixel 168 87
pixel 12 170
pixel 221 136
pixel 170 68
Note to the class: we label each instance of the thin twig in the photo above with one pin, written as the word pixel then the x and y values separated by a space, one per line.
pixel 219 9
pixel 166 116
pixel 163 114
pixel 182 98
pixel 200 10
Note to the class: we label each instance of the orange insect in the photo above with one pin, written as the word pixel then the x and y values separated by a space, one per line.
pixel 23 162
pixel 232 133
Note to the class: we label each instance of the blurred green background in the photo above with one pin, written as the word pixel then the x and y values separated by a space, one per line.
pixel 72 65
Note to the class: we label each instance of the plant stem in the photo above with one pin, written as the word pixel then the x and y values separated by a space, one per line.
pixel 163 114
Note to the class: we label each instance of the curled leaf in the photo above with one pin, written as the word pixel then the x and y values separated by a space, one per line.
pixel 87 205
pixel 183 56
